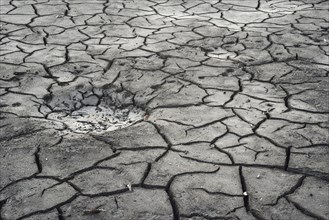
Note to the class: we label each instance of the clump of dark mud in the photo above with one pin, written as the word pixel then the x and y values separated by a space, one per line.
pixel 87 109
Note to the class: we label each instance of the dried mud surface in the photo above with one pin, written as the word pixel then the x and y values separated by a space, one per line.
pixel 164 109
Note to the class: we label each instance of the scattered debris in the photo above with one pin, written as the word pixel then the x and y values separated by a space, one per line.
pixel 129 187
pixel 146 117
pixel 93 211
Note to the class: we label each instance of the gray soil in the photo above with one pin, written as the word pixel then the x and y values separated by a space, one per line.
pixel 164 109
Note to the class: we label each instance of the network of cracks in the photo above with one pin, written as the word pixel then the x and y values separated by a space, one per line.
pixel 164 109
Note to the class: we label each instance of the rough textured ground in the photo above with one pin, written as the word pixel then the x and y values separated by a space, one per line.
pixel 164 109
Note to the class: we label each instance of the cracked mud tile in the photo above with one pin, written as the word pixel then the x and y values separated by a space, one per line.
pixel 137 136
pixel 203 152
pixel 313 159
pixel 283 209
pixel 14 72
pixel 13 57
pixel 18 104
pixel 119 30
pixel 131 44
pixel 238 126
pixel 115 67
pixel 67 37
pixel 217 97
pixel 172 164
pixel 244 17
pixel 194 54
pixel 160 47
pixel 252 150
pixel 263 91
pixel 311 198
pixel 279 53
pixel 101 180
pixel 179 133
pixel 28 40
pixel 51 9
pixel 288 133
pixel 10 169
pixel 144 24
pixel 253 56
pixel 23 9
pixel 266 191
pixel 8 47
pixel 314 53
pixel 133 156
pixel 36 86
pixel 24 148
pixel 170 10
pixel 182 38
pixel 251 115
pixel 291 39
pixel 49 56
pixel 174 95
pixel 60 21
pixel 9 72
pixel 150 63
pixel 7 28
pixel 301 117
pixel 28 197
pixel 118 53
pixel 69 71
pixel 244 101
pixel 213 77
pixel 178 65
pixel 138 204
pixel 303 101
pixel 74 152
pixel 17 19
pixel 255 41
pixel 191 115
pixel 20 127
pixel 212 195
pixel 141 82
pixel 86 8
pixel 80 56
pixel 313 85
pixel 211 31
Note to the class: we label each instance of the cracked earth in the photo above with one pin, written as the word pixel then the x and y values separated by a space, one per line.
pixel 164 109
